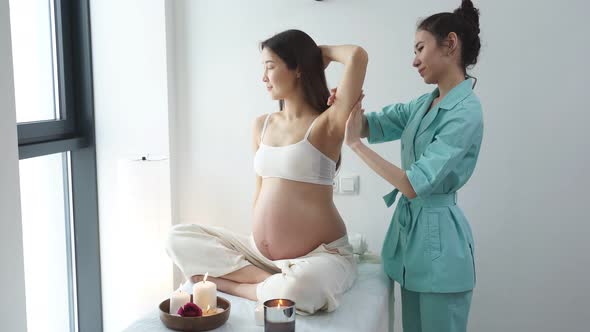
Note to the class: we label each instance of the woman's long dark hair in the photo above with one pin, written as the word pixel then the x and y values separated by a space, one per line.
pixel 299 51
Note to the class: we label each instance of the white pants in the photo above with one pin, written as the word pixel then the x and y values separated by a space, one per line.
pixel 315 281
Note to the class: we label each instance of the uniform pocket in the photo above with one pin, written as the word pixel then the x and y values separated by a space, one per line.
pixel 434 244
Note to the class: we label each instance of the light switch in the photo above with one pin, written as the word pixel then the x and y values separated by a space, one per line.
pixel 349 184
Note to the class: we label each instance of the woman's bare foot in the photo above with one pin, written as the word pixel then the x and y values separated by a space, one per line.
pixel 241 283
pixel 246 275
pixel 244 290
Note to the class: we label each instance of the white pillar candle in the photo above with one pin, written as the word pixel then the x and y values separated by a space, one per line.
pixel 205 294
pixel 178 299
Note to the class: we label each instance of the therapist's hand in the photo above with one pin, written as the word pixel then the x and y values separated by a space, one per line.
pixel 354 124
pixel 332 97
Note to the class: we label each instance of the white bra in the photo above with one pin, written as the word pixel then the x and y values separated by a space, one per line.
pixel 300 161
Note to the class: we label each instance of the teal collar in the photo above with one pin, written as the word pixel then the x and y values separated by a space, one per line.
pixel 455 96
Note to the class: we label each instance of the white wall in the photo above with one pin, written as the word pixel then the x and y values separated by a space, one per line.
pixel 12 279
pixel 526 199
pixel 131 107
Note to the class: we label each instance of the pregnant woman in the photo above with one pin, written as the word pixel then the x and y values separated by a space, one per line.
pixel 299 247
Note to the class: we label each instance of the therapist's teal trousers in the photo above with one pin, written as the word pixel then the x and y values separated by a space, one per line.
pixel 435 312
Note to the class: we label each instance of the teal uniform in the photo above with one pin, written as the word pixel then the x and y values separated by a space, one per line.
pixel 429 246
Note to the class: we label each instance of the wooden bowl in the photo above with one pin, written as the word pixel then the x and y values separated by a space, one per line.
pixel 203 323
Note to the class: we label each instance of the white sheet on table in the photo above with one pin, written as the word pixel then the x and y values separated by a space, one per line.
pixel 365 307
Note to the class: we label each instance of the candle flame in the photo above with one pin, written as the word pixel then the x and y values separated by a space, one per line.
pixel 205 278
pixel 280 303
pixel 208 307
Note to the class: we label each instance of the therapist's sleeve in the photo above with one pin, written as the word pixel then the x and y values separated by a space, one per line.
pixel 452 140
pixel 388 125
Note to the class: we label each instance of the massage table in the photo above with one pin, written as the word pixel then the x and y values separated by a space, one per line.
pixel 366 307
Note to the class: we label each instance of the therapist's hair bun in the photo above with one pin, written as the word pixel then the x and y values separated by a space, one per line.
pixel 464 21
pixel 470 38
pixel 469 13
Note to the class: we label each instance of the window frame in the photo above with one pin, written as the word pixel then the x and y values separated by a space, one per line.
pixel 74 133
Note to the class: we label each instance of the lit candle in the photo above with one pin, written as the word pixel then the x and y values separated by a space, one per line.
pixel 178 299
pixel 279 315
pixel 205 294
pixel 212 311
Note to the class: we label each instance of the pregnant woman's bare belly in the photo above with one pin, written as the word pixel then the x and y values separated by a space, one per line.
pixel 293 218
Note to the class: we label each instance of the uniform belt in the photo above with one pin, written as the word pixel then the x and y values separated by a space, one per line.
pixel 434 200
pixel 404 213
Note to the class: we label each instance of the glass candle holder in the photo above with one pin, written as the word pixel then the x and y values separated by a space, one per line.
pixel 279 315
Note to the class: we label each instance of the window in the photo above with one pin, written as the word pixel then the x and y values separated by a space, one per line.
pixel 53 89
pixel 34 54
pixel 47 243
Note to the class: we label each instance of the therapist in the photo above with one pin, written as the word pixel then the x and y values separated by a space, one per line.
pixel 429 247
